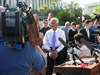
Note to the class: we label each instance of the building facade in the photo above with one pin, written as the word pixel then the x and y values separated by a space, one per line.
pixel 89 8
pixel 35 4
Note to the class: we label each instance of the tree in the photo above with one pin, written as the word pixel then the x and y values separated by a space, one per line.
pixel 55 4
pixel 43 9
pixel 64 16
pixel 72 8
pixel 86 16
pixel 97 10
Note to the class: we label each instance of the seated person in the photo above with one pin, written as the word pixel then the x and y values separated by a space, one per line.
pixel 81 50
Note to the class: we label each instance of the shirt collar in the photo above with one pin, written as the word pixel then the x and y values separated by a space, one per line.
pixel 73 29
pixel 55 30
pixel 86 28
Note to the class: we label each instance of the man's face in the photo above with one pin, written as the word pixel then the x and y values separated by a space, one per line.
pixel 54 24
pixel 45 23
pixel 89 25
pixel 73 26
pixel 67 25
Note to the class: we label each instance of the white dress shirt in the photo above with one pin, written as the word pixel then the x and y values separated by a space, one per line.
pixel 47 41
pixel 88 32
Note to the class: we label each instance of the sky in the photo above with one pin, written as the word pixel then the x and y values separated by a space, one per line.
pixel 82 2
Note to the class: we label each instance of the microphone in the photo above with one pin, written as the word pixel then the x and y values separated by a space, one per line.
pixel 64 43
pixel 95 45
pixel 87 45
pixel 73 45
pixel 97 54
pixel 91 48
pixel 96 32
pixel 67 46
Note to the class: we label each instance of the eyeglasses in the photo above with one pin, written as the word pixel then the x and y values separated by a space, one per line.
pixel 45 23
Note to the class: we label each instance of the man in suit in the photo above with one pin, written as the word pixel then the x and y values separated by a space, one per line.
pixel 87 32
pixel 66 30
pixel 54 46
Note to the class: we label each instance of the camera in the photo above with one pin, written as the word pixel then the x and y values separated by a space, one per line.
pixel 96 32
pixel 97 16
pixel 15 25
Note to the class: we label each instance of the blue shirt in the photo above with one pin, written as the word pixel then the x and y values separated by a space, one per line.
pixel 94 29
pixel 14 62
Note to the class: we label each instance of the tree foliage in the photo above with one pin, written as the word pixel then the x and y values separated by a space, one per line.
pixel 55 4
pixel 43 9
pixel 86 16
pixel 97 10
pixel 62 8
pixel 64 16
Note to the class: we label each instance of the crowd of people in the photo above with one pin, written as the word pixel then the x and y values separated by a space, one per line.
pixel 14 62
pixel 72 35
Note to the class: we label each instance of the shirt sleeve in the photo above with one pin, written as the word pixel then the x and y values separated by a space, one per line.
pixel 46 42
pixel 61 46
pixel 38 61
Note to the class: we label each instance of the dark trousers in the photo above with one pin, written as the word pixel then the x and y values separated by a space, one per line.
pixel 51 62
pixel 65 54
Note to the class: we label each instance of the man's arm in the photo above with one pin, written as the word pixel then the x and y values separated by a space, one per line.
pixel 95 22
pixel 45 42
pixel 61 46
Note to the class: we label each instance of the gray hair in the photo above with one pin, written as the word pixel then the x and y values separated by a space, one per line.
pixel 77 26
pixel 66 23
pixel 57 21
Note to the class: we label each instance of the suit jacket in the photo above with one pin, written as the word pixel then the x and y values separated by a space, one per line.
pixel 71 35
pixel 91 38
pixel 66 30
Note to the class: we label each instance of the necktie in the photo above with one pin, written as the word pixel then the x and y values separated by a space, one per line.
pixel 53 41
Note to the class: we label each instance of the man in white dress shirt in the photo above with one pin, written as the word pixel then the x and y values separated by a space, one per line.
pixel 54 55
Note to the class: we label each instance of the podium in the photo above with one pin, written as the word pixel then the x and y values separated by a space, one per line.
pixel 64 69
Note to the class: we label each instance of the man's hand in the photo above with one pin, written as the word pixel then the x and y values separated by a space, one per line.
pixel 53 54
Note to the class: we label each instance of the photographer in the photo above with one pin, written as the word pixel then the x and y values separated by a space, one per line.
pixel 94 28
pixel 96 23
pixel 19 62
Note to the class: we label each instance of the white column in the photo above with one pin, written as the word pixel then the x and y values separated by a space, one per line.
pixel 1 3
pixel 43 2
pixel 31 4
pixel 15 3
pixel 40 3
pixel 49 2
pixel 46 3
pixel 34 5
pixel 37 4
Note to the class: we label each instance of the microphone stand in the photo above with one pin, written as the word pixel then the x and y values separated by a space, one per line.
pixel 96 57
pixel 92 49
pixel 74 63
pixel 75 55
